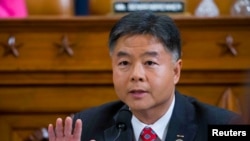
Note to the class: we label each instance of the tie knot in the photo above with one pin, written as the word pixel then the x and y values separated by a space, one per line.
pixel 148 134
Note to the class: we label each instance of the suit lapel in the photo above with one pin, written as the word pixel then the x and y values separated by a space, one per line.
pixel 183 124
pixel 111 133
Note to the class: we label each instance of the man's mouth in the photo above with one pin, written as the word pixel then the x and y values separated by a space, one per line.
pixel 138 93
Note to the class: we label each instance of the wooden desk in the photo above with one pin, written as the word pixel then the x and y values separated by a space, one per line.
pixel 61 66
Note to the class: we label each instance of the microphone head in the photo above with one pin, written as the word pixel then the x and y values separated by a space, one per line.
pixel 123 119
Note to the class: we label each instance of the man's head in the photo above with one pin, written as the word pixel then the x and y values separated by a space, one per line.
pixel 145 50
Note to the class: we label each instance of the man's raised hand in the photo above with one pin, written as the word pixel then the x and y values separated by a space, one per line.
pixel 64 132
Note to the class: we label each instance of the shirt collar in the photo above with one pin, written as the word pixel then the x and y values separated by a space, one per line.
pixel 160 126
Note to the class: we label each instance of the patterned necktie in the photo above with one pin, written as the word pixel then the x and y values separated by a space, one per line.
pixel 148 134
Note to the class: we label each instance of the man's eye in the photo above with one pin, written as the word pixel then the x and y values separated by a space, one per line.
pixel 123 63
pixel 150 63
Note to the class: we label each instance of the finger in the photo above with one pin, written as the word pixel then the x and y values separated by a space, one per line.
pixel 51 133
pixel 68 127
pixel 59 128
pixel 78 129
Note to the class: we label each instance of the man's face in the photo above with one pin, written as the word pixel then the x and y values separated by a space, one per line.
pixel 144 73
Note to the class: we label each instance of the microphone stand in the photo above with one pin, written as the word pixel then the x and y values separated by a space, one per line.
pixel 121 127
pixel 123 120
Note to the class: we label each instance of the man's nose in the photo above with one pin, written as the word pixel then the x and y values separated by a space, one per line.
pixel 138 73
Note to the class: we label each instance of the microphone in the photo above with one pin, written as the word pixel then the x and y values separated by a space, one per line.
pixel 122 122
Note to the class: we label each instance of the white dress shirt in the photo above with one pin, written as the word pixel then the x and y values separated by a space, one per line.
pixel 160 127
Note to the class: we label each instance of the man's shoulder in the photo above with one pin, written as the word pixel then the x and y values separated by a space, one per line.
pixel 211 113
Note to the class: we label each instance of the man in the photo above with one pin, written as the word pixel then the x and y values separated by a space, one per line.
pixel 145 49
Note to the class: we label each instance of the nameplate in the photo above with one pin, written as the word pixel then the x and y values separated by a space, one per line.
pixel 166 6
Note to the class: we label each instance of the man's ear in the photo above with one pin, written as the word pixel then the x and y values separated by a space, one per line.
pixel 177 70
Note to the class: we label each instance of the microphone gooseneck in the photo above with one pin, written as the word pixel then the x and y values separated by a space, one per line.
pixel 122 122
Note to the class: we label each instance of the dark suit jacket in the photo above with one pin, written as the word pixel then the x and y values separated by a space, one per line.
pixel 190 119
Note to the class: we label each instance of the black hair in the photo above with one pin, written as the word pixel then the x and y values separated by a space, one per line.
pixel 147 22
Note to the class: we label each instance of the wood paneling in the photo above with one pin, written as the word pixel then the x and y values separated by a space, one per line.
pixel 42 84
pixel 50 7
